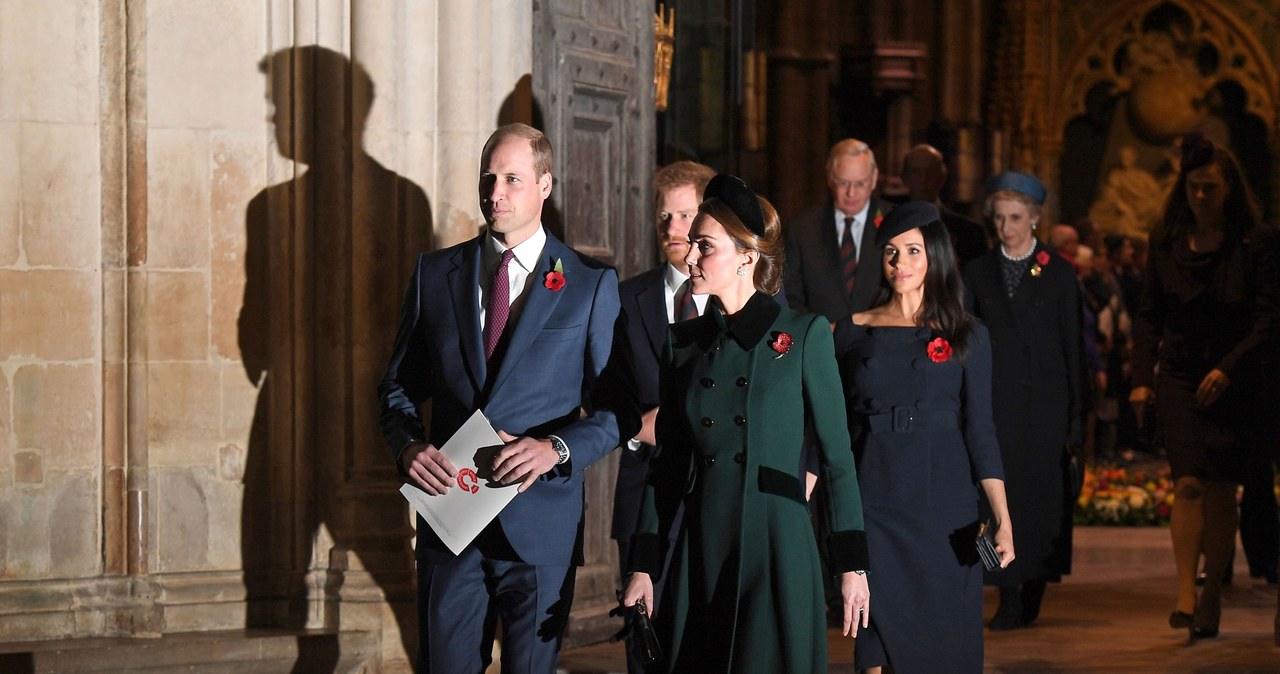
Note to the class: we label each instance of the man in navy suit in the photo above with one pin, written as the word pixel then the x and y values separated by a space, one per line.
pixel 831 267
pixel 651 301
pixel 517 324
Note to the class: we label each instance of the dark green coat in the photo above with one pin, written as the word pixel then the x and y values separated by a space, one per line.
pixel 744 592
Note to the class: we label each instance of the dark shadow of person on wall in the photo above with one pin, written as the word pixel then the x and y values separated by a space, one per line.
pixel 328 251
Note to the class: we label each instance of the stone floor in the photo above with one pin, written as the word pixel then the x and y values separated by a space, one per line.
pixel 1110 615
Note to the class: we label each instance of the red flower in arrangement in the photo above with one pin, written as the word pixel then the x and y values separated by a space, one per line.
pixel 939 350
pixel 781 343
pixel 879 218
pixel 554 279
pixel 1042 257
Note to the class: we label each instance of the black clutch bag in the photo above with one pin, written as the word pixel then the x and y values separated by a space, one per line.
pixel 986 544
pixel 642 641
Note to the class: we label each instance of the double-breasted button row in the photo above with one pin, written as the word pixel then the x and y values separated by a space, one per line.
pixel 708 422
pixel 709 460
pixel 739 458
pixel 740 420
pixel 742 382
pixel 708 382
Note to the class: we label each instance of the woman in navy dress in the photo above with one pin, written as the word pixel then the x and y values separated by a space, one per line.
pixel 917 377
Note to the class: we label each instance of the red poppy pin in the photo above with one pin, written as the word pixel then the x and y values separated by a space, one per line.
pixel 879 218
pixel 1042 259
pixel 781 343
pixel 939 350
pixel 554 280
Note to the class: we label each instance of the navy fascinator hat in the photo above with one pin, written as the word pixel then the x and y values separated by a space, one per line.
pixel 1019 182
pixel 909 216
pixel 739 198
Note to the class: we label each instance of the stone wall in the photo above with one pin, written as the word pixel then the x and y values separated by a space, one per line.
pixel 203 238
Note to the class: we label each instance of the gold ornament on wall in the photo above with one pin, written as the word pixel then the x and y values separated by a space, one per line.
pixel 665 46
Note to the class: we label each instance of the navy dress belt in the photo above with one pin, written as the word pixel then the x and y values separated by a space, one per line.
pixel 907 419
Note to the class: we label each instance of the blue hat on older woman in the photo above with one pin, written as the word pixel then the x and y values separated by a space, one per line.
pixel 1019 182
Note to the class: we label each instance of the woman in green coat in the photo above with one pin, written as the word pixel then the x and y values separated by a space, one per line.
pixel 744 592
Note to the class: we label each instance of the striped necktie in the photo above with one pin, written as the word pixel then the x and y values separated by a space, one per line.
pixel 849 257
pixel 685 307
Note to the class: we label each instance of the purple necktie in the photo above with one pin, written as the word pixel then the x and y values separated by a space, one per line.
pixel 849 257
pixel 499 305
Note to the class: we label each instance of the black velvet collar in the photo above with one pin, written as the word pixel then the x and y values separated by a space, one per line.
pixel 752 323
pixel 749 327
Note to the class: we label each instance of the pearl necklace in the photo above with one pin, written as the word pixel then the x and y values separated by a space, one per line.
pixel 1005 252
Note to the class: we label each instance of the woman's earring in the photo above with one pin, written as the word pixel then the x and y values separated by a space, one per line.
pixel 742 271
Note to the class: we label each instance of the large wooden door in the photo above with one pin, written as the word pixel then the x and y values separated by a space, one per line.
pixel 593 85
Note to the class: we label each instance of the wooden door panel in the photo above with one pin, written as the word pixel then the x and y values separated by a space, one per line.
pixel 593 82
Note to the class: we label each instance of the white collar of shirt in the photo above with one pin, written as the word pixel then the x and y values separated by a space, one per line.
pixel 859 224
pixel 526 252
pixel 673 279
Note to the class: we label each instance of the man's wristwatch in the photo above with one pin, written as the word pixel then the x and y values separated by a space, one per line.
pixel 562 450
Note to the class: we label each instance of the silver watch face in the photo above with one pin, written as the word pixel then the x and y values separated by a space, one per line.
pixel 561 450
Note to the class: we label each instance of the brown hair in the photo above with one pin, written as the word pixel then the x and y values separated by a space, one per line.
pixel 542 155
pixel 768 273
pixel 679 174
pixel 1240 208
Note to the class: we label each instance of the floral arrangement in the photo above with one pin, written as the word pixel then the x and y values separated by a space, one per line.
pixel 1119 495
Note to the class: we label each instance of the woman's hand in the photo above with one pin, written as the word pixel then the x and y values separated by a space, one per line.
pixel 1212 387
pixel 640 586
pixel 857 602
pixel 1139 398
pixel 1004 543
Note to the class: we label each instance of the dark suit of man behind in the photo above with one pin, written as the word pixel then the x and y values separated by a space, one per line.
pixel 553 347
pixel 814 277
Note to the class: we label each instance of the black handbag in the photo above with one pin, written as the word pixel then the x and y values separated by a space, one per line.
pixel 986 544
pixel 637 629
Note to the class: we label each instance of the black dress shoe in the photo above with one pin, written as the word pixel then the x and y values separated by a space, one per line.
pixel 1198 633
pixel 1032 596
pixel 1004 623
pixel 1180 621
pixel 1009 614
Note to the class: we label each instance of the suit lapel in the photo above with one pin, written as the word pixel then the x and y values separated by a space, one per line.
pixel 830 243
pixel 651 301
pixel 464 290
pixel 537 307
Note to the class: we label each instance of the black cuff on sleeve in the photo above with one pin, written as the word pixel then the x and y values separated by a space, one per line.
pixel 847 551
pixel 646 554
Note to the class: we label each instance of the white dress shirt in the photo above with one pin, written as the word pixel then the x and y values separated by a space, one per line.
pixel 859 225
pixel 519 272
pixel 674 278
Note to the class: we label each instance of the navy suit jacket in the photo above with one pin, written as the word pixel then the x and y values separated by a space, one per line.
pixel 554 360
pixel 813 278
pixel 644 304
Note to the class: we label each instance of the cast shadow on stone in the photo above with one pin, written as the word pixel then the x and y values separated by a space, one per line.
pixel 328 254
